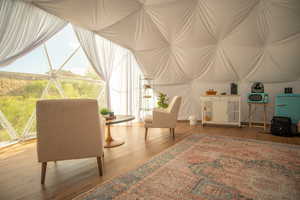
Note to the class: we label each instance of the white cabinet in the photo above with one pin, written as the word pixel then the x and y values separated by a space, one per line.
pixel 221 109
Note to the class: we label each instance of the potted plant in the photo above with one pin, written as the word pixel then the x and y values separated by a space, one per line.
pixel 162 100
pixel 105 112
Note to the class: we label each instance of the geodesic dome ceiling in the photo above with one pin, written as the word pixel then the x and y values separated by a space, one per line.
pixel 176 41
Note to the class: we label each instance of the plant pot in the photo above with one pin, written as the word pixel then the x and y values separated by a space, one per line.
pixel 105 116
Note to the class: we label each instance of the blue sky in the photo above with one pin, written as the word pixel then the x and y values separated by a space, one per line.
pixel 60 46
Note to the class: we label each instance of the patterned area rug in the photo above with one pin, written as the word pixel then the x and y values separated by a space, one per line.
pixel 211 168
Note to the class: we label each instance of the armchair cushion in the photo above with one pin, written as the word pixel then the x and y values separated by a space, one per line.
pixel 148 119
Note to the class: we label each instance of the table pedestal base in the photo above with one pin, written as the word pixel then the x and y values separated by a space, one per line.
pixel 113 143
pixel 110 142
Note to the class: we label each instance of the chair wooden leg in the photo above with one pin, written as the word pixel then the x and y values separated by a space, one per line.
pixel 43 174
pixel 100 165
pixel 146 133
pixel 173 131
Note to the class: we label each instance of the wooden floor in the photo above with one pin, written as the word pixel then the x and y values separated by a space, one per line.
pixel 20 172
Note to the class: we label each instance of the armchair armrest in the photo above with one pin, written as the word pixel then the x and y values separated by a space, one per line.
pixel 161 110
pixel 158 113
pixel 162 118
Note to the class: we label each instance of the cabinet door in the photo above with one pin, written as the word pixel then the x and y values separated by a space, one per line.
pixel 220 111
pixel 233 111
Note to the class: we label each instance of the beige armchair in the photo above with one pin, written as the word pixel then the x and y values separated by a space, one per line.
pixel 68 129
pixel 164 118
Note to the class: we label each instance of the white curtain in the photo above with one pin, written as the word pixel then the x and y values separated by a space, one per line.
pixel 125 87
pixel 103 55
pixel 24 27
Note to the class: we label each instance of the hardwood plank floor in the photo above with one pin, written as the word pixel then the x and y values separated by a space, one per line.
pixel 20 171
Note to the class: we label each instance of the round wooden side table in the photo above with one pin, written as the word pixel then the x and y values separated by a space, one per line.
pixel 110 142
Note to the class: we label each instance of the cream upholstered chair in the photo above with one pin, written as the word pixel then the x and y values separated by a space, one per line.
pixel 68 129
pixel 164 118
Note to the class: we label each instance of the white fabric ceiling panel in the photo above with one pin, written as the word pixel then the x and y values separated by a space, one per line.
pixel 194 61
pixel 283 19
pixel 177 41
pixel 136 32
pixel 267 70
pixel 91 14
pixel 198 30
pixel 247 32
pixel 171 72
pixel 220 69
pixel 286 54
pixel 243 58
pixel 153 2
pixel 227 16
pixel 171 18
pixel 152 61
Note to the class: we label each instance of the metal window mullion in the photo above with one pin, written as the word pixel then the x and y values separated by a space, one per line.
pixel 67 60
pixel 45 92
pixel 101 95
pixel 59 88
pixel 48 58
pixel 7 125
pixel 28 125
pixel 33 114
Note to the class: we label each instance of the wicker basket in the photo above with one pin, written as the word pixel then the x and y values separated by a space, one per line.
pixel 211 92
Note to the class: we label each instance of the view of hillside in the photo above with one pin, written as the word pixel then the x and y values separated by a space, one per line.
pixel 18 98
pixel 8 85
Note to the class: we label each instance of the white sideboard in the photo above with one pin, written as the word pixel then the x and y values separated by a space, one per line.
pixel 221 109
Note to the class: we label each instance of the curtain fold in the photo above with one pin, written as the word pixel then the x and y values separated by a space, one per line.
pixel 23 27
pixel 103 55
pixel 125 87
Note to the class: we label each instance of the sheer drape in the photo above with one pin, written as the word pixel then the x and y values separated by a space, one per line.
pixel 24 27
pixel 103 55
pixel 125 83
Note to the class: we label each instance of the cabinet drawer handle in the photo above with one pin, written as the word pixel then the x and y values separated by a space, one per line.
pixel 281 105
